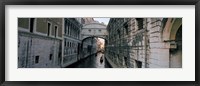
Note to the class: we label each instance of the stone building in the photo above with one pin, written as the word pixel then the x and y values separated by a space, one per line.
pixel 93 29
pixel 144 42
pixel 39 42
pixel 71 41
pixel 88 20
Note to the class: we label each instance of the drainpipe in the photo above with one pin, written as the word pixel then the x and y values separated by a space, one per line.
pixel 145 44
pixel 27 54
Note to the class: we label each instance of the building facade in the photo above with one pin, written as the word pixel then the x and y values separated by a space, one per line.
pixel 71 41
pixel 39 42
pixel 144 42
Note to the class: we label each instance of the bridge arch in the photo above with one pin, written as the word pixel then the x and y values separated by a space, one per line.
pixel 89 46
pixel 94 37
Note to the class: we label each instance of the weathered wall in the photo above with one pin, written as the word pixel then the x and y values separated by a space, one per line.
pixel 23 22
pixel 137 42
pixel 42 24
pixel 31 45
pixel 159 56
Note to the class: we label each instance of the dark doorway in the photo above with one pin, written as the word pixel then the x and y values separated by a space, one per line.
pixel 139 64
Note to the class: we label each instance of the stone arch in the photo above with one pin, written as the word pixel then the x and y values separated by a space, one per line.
pixel 176 53
pixel 171 28
pixel 172 36
pixel 175 27
pixel 94 37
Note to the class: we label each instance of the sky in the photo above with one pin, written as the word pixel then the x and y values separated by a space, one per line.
pixel 104 20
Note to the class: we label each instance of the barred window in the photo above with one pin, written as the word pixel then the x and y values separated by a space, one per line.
pixel 36 59
pixel 140 23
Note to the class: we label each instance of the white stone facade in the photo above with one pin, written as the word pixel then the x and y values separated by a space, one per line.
pixel 71 41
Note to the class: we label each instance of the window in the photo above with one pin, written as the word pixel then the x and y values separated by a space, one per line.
pixel 118 31
pixel 139 64
pixel 99 30
pixel 68 29
pixel 50 56
pixel 66 52
pixel 48 29
pixel 140 23
pixel 32 24
pixel 126 28
pixel 36 59
pixel 65 43
pixel 56 31
pixel 89 30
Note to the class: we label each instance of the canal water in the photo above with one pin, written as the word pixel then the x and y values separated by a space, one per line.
pixel 93 61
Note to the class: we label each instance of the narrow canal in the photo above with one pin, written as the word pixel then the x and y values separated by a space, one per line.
pixel 94 61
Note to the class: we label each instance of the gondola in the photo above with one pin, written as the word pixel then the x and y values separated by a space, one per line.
pixel 101 59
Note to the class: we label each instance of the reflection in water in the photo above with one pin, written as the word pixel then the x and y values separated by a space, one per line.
pixel 93 61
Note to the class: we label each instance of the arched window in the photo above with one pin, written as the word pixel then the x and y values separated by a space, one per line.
pixel 32 20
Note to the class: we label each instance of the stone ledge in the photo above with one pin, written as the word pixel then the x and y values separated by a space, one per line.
pixel 111 63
